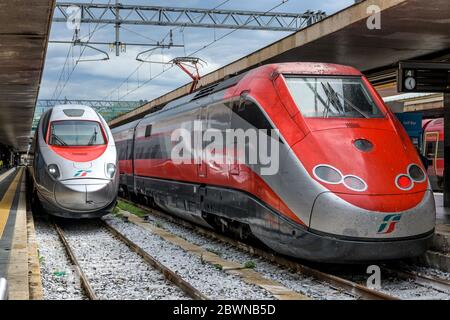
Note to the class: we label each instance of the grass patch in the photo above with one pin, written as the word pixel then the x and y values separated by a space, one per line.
pixel 250 265
pixel 218 266
pixel 116 210
pixel 131 209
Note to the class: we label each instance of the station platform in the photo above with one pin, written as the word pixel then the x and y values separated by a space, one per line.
pixel 14 247
pixel 442 213
pixel 438 255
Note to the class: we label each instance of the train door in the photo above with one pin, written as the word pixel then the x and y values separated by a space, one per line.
pixel 200 144
pixel 218 122
pixel 131 182
pixel 433 151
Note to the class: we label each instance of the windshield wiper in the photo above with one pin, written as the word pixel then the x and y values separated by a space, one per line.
pixel 336 94
pixel 61 141
pixel 331 98
pixel 93 138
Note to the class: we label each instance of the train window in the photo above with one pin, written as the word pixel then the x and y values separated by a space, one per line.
pixel 45 120
pixel 440 151
pixel 430 149
pixel 148 130
pixel 250 112
pixel 105 125
pixel 76 133
pixel 332 97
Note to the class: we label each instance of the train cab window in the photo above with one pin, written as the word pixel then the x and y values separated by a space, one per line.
pixel 148 130
pixel 76 133
pixel 333 97
pixel 45 119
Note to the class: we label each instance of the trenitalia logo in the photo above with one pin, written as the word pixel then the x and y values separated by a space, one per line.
pixel 82 173
pixel 388 224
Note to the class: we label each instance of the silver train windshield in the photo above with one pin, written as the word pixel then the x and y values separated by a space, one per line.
pixel 76 133
pixel 332 97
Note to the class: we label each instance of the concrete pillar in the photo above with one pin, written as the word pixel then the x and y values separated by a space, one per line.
pixel 447 150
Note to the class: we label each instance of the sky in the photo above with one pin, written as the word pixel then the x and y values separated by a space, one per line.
pixel 107 80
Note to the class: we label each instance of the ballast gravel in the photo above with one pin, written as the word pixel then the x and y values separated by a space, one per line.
pixel 292 280
pixel 59 280
pixel 211 281
pixel 114 271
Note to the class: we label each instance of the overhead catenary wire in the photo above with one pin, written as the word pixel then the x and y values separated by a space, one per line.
pixel 110 94
pixel 56 95
pixel 197 51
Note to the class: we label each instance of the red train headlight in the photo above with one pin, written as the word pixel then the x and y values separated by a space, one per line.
pixel 404 182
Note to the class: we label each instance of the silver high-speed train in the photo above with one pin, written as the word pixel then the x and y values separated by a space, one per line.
pixel 75 161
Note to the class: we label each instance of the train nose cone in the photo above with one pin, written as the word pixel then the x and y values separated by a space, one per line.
pixel 81 196
pixel 331 214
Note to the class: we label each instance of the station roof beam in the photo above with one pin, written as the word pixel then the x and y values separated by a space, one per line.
pixel 24 36
pixel 188 17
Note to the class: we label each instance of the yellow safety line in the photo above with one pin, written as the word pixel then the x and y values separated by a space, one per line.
pixel 6 203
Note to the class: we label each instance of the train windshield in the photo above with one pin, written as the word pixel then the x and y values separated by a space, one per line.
pixel 76 133
pixel 332 97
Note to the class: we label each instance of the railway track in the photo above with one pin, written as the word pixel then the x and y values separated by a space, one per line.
pixel 346 284
pixel 439 284
pixel 90 289
pixel 354 289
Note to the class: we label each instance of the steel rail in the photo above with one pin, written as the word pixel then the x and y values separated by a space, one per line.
pixel 438 284
pixel 168 274
pixel 353 288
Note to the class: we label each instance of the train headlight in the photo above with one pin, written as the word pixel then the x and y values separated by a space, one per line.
pixel 110 170
pixel 354 183
pixel 327 174
pixel 416 173
pixel 331 175
pixel 404 182
pixel 53 170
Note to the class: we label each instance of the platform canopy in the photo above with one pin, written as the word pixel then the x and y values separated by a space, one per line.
pixel 409 29
pixel 24 32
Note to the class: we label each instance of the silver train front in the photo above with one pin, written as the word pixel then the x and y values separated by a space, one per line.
pixel 83 189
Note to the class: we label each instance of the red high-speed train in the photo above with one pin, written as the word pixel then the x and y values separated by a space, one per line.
pixel 348 187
